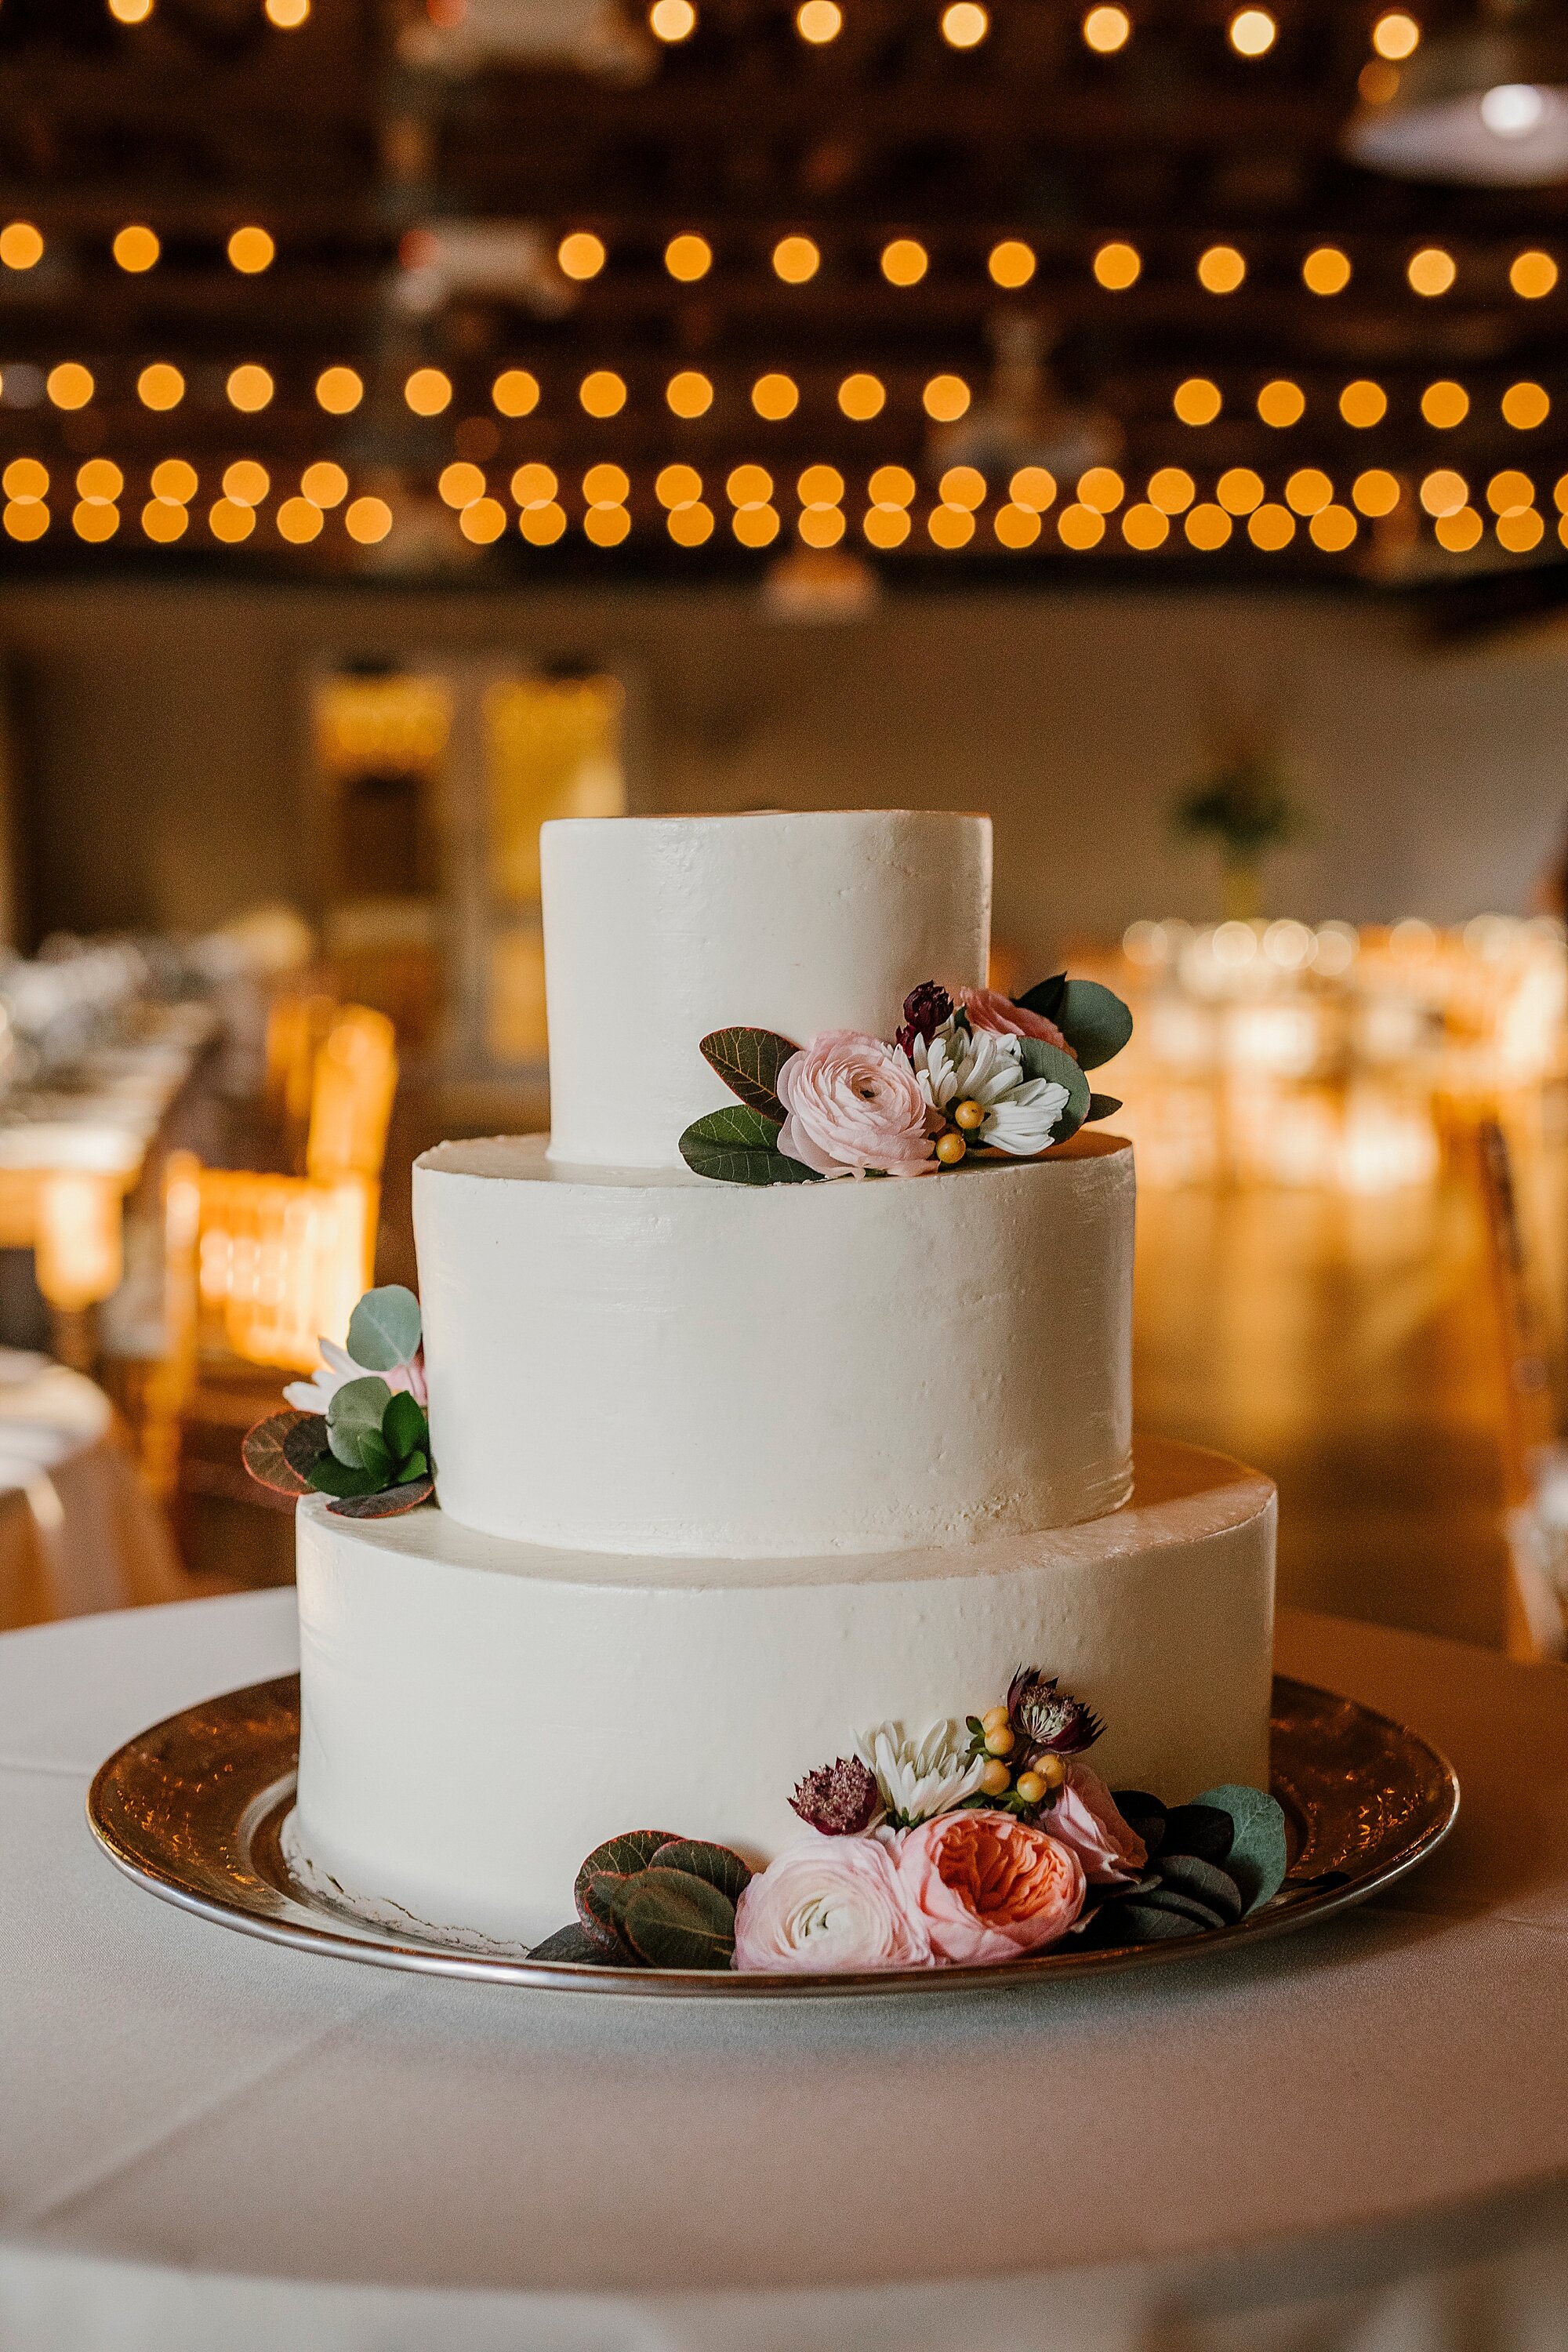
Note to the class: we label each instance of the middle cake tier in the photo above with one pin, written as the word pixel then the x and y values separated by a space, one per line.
pixel 653 1364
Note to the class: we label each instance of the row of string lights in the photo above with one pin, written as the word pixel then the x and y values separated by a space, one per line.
pixel 1101 510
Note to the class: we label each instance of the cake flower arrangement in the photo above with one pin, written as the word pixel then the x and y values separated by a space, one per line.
pixel 970 1072
pixel 981 1842
pixel 357 1431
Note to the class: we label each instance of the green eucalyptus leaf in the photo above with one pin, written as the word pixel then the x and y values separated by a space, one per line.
pixel 1203 1881
pixel 716 1864
pixel 1103 1107
pixel 374 1455
pixel 1044 1061
pixel 330 1476
pixel 403 1427
pixel 1259 1856
pixel 355 1412
pixel 749 1062
pixel 739 1146
pixel 1094 1022
pixel 1202 1828
pixel 1045 997
pixel 672 1919
pixel 1141 1923
pixel 1184 1906
pixel 384 1329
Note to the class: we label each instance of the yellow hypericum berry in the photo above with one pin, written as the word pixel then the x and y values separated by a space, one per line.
pixel 1001 1741
pixel 950 1148
pixel 969 1116
pixel 994 1780
pixel 994 1716
pixel 1052 1770
pixel 1031 1788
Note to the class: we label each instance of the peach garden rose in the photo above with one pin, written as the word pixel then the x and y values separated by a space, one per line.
pixel 852 1103
pixel 988 1886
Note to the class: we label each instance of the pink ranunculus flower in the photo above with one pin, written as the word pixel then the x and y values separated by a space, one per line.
pixel 988 1009
pixel 988 1886
pixel 852 1103
pixel 834 1903
pixel 1085 1818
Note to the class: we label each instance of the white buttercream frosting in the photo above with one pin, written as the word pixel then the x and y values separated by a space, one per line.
pixel 477 1714
pixel 630 1363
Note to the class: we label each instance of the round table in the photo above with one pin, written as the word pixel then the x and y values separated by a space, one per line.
pixel 1354 2135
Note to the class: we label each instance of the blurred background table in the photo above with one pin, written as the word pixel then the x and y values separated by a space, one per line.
pixel 77 1531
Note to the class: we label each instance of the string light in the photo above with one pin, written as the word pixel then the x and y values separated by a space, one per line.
pixel 69 385
pixel 749 486
pixel 26 481
pixel 774 397
pixel 1395 35
pixel 818 21
pixel 1207 528
pixel 541 523
pixel 1145 527
pixel 1107 30
pixel 1197 401
pixel 1333 528
pixel 1011 263
pixel 174 482
pixel 1281 404
pixel 861 397
pixel 691 526
pixel 603 393
pixel 164 520
pixel 300 520
pixel 581 255
pixel 1378 82
pixel 245 483
pixel 368 520
pixel 606 485
pixel 1221 270
pixel 1364 403
pixel 160 386
pixel 459 485
pixel 533 485
pixel 1532 275
pixel 1271 527
pixel 100 481
pixel 1519 531
pixel 951 527
pixel 1445 405
pixel 1252 32
pixel 339 390
pixel 251 250
pixel 136 248
pixel 678 486
pixel 964 26
pixel 895 486
pixel 1033 487
pixel 21 244
pixel 288 15
pixel 1375 492
pixel 1525 405
pixel 515 392
pixel 324 484
pixel 963 486
pixel 885 527
pixel 1171 489
pixel 1507 493
pixel 483 522
pixel 1016 527
pixel 606 525
pixel 689 395
pixel 1101 488
pixel 428 392
pixel 1239 490
pixel 672 20
pixel 688 257
pixel 1081 527
pixel 1309 490
pixel 1326 270
pixel 1431 271
pixel 795 260
pixel 130 12
pixel 230 522
pixel 1444 492
pixel 904 261
pixel 1458 531
pixel 1117 267
pixel 945 399
pixel 249 388
pixel 27 519
pixel 95 521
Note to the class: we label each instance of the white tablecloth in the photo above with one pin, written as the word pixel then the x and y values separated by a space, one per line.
pixel 78 1532
pixel 1356 2138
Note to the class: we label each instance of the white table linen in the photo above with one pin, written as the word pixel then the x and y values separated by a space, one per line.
pixel 1354 2140
pixel 77 1531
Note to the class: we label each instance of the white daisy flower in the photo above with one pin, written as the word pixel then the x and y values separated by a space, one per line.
pixel 919 1778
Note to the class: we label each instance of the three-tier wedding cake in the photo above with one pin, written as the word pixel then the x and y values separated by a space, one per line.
pixel 726 1470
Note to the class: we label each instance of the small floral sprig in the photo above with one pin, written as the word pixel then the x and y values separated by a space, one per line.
pixel 970 1071
pixel 356 1432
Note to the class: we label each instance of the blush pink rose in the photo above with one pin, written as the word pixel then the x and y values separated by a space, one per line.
pixel 835 1903
pixel 1085 1818
pixel 988 1009
pixel 988 1886
pixel 852 1103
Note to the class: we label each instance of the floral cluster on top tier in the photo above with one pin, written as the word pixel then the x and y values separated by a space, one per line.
pixel 975 1844
pixel 356 1430
pixel 969 1071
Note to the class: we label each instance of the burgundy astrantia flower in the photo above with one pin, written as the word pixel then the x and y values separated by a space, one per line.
pixel 925 1009
pixel 1052 1721
pixel 839 1799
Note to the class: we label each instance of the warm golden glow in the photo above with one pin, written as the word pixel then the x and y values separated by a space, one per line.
pixel 1395 34
pixel 1252 32
pixel 603 394
pixel 1533 274
pixel 776 397
pixel 1116 266
pixel 894 486
pixel 1560 495
pixel 1081 527
pixel 428 391
pixel 515 392
pixel 25 522
pixel 368 520
pixel 230 522
pixel 174 482
pixel 460 485
pixel 1309 490
pixel 672 20
pixel 1444 492
pixel 249 388
pixel 298 521
pixel 1375 492
pixel 945 398
pixel 160 386
pixel 689 393
pixel 1011 263
pixel 1326 270
pixel 535 485
pixel 904 261
pixel 688 257
pixel 885 527
pixel 1107 29
pixel 1445 403
pixel 1016 527
pixel 288 15
pixel 1525 405
pixel 136 248
pixel 606 485
pixel 1172 490
pixel 606 525
pixel 324 484
pixel 581 255
pixel 99 481
pixel 1506 492
pixel 961 486
pixel 1333 528
pixel 1102 487
pixel 25 480
pixel 130 12
pixel 820 526
pixel 1281 403
pixel 795 260
pixel 483 522
pixel 1239 490
pixel 1197 401
pixel 339 390
pixel 1378 81
pixel 820 485
pixel 1458 531
pixel 69 385
pixel 678 486
pixel 691 526
pixel 818 21
pixel 755 526
pixel 964 25
pixel 1364 403
pixel 950 528
pixel 1145 527
pixel 861 397
pixel 1271 527
pixel 1034 488
pixel 21 245
pixel 542 524
pixel 1221 270
pixel 246 483
pixel 251 250
pixel 163 521
pixel 95 522
pixel 1431 271
pixel 1519 531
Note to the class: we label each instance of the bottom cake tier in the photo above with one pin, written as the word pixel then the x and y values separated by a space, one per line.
pixel 477 1715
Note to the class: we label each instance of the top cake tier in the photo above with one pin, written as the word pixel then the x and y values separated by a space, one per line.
pixel 662 929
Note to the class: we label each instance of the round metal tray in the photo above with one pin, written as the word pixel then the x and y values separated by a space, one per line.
pixel 194 1811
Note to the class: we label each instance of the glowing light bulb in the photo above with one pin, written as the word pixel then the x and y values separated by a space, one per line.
pixel 1512 110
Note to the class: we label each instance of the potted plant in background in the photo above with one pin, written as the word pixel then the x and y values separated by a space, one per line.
pixel 1243 801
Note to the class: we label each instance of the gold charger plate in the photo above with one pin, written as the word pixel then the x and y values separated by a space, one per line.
pixel 194 1811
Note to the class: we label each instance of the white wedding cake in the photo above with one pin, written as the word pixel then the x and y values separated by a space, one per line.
pixel 726 1471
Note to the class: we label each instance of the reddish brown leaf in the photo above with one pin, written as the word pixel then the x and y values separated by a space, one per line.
pixel 264 1455
pixel 388 1504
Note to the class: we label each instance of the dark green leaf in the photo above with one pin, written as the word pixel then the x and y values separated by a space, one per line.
pixel 575 1944
pixel 329 1476
pixel 403 1427
pixel 356 1410
pixel 1259 1856
pixel 1203 1829
pixel 265 1454
pixel 716 1864
pixel 1205 1880
pixel 413 1465
pixel 374 1455
pixel 674 1920
pixel 1045 997
pixel 1141 1923
pixel 1184 1906
pixel 749 1062
pixel 618 1857
pixel 1042 1061
pixel 386 1503
pixel 738 1145
pixel 1103 1107
pixel 1095 1024
pixel 384 1329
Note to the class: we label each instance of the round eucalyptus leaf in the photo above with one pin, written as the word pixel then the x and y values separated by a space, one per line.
pixel 1095 1022
pixel 384 1329
pixel 356 1412
pixel 1044 1061
pixel 1259 1855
